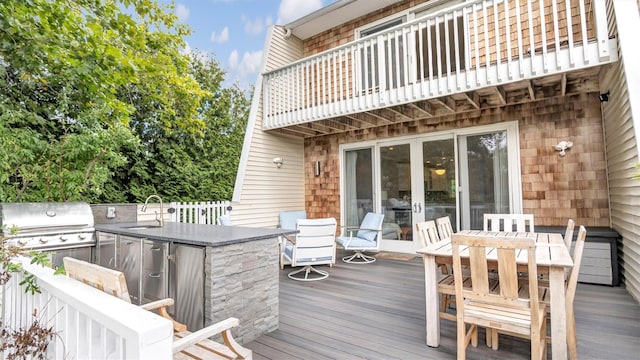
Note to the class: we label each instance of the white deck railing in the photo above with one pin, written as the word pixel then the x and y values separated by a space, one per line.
pixel 469 46
pixel 88 323
pixel 204 212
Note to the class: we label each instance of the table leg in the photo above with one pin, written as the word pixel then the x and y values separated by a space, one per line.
pixel 431 300
pixel 558 314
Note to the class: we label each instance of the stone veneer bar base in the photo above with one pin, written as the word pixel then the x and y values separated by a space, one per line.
pixel 241 281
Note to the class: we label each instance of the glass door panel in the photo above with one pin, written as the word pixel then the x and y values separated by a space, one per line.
pixel 438 158
pixel 484 160
pixel 396 185
pixel 358 180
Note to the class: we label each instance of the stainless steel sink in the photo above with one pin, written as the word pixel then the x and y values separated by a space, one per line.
pixel 142 227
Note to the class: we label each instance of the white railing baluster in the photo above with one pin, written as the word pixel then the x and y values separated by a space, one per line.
pixel 456 47
pixel 487 48
pixel 447 55
pixel 476 35
pixel 556 32
pixel 507 25
pixel 532 43
pixel 583 28
pixel 496 27
pixel 543 31
pixel 519 35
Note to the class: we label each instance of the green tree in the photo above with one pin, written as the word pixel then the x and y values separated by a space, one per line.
pixel 180 165
pixel 73 75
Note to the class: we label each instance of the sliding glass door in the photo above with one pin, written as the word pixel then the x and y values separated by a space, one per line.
pixel 461 174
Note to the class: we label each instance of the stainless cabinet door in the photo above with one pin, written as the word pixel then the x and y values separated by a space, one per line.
pixel 106 250
pixel 154 271
pixel 129 255
pixel 186 284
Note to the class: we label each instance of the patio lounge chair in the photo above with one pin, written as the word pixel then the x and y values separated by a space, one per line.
pixel 314 244
pixel 364 238
pixel 288 221
pixel 224 220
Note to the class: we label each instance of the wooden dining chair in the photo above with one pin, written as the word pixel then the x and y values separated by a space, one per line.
pixel 568 233
pixel 571 283
pixel 500 308
pixel 508 222
pixel 444 227
pixel 428 235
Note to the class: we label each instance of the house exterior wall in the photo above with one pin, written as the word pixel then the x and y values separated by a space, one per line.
pixel 554 188
pixel 621 132
pixel 261 188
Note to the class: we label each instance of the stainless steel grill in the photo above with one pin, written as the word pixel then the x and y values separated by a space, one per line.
pixel 50 226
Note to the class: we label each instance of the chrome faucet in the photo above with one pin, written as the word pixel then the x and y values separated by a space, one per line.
pixel 159 217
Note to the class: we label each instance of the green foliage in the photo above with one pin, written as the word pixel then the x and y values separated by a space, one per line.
pixel 82 83
pixel 180 165
pixel 637 175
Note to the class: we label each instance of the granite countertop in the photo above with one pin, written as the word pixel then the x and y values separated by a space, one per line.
pixel 193 234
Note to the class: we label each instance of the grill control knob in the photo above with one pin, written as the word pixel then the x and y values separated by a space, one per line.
pixel 43 241
pixel 22 242
pixel 82 236
pixel 64 238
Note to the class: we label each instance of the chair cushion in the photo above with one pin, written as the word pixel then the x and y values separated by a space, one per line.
pixel 288 218
pixel 371 221
pixel 288 253
pixel 355 243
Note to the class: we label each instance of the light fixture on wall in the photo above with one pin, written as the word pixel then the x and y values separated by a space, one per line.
pixel 440 172
pixel 604 97
pixel 563 146
pixel 317 167
pixel 278 161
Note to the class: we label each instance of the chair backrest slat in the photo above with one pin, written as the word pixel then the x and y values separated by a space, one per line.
pixel 444 227
pixel 508 222
pixel 427 233
pixel 572 281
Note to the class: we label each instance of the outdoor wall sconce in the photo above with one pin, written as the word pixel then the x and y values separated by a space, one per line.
pixel 604 97
pixel 278 161
pixel 563 146
pixel 317 167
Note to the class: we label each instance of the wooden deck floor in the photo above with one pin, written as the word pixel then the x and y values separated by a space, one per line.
pixel 377 311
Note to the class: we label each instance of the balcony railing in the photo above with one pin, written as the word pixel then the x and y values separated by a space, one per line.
pixel 459 49
pixel 88 323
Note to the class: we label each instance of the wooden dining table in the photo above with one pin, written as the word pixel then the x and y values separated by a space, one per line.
pixel 552 258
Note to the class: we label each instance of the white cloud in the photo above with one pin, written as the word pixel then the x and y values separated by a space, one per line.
pixel 291 10
pixel 245 69
pixel 256 26
pixel 222 38
pixel 182 12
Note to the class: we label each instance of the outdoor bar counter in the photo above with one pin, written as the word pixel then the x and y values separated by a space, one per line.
pixel 241 268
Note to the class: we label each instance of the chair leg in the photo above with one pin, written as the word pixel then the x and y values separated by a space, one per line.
pixel 359 258
pixel 572 341
pixel 308 269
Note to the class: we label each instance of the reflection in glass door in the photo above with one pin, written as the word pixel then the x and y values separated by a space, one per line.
pixel 395 182
pixel 438 158
pixel 485 166
pixel 358 185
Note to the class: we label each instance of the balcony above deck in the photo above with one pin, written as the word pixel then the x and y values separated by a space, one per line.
pixel 477 55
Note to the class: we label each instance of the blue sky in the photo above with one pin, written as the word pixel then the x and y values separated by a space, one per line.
pixel 233 31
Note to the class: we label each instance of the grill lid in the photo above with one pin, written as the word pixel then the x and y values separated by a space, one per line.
pixel 46 217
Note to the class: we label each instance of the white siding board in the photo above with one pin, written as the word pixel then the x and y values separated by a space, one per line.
pixel 264 189
pixel 621 147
